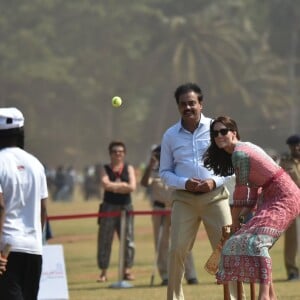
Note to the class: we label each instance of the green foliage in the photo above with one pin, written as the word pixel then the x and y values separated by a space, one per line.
pixel 62 61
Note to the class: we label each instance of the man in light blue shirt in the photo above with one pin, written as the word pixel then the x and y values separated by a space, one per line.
pixel 182 158
pixel 199 194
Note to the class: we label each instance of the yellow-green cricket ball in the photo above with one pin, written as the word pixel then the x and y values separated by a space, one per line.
pixel 116 101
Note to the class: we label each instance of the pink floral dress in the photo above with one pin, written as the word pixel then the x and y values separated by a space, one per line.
pixel 262 183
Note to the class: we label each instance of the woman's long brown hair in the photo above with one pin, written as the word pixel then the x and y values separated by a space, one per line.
pixel 217 159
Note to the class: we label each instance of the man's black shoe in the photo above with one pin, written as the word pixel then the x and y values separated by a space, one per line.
pixel 192 281
pixel 164 282
pixel 293 277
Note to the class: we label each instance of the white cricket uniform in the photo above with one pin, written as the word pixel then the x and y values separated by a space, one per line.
pixel 23 185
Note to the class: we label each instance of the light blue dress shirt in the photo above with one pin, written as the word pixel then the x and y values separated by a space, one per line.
pixel 182 155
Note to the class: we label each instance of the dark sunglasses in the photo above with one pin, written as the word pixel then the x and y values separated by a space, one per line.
pixel 223 131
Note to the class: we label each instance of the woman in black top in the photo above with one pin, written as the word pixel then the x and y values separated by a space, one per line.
pixel 118 181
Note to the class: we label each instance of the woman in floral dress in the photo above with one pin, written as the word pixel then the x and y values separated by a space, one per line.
pixel 260 183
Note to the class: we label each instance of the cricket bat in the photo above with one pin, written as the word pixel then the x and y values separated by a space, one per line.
pixel 212 264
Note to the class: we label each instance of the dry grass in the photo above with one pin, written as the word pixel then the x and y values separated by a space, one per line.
pixel 78 237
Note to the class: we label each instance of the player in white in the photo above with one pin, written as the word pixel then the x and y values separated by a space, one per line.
pixel 23 194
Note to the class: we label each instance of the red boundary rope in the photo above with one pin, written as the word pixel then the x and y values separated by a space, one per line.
pixel 108 214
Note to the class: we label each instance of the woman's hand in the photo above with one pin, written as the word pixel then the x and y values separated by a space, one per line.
pixel 236 225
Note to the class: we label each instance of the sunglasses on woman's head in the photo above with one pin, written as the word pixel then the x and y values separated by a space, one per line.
pixel 223 131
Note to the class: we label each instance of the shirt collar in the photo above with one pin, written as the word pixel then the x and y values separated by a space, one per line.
pixel 203 120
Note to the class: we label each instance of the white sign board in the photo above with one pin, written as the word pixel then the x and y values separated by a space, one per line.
pixel 53 283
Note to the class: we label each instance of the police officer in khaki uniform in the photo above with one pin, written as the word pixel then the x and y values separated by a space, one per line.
pixel 161 196
pixel 291 243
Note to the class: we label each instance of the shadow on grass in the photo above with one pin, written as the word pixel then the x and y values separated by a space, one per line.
pixel 138 286
pixel 141 286
pixel 282 280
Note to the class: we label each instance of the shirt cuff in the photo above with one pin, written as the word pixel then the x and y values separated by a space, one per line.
pixel 181 183
pixel 219 181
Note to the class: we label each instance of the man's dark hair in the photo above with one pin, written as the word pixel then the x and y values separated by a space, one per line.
pixel 186 88
pixel 12 138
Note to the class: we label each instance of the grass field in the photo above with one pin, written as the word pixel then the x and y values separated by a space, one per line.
pixel 78 237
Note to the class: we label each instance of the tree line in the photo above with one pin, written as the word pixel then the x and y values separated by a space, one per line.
pixel 61 62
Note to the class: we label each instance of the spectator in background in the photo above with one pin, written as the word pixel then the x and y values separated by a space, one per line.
pixel 160 195
pixel 98 168
pixel 50 176
pixel 59 183
pixel 292 235
pixel 88 182
pixel 23 194
pixel 64 182
pixel 200 196
pixel 118 181
pixel 70 182
pixel 92 182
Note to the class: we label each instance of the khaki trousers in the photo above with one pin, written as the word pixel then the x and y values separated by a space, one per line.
pixel 163 223
pixel 188 211
pixel 291 240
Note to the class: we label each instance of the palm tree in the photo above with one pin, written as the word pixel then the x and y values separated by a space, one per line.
pixel 201 46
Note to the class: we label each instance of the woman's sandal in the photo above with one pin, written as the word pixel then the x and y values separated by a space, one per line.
pixel 102 278
pixel 128 276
